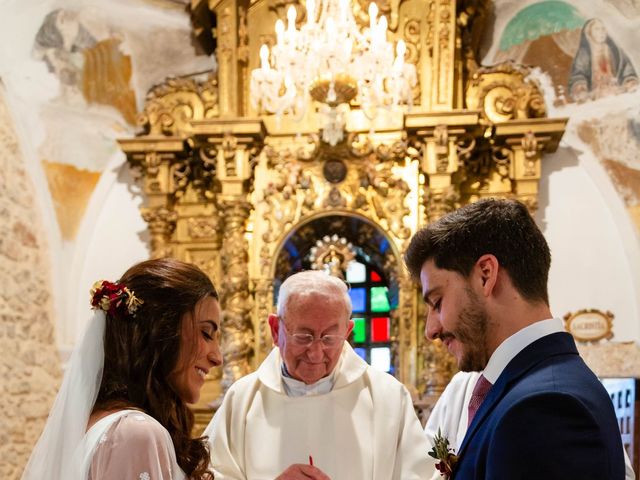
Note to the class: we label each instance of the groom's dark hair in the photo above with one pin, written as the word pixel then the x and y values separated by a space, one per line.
pixel 503 228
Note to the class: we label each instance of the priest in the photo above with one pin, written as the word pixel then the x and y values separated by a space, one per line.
pixel 314 409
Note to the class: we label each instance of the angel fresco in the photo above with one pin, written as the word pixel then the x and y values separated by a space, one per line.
pixel 599 67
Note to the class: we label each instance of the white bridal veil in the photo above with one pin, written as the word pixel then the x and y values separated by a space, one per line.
pixel 55 456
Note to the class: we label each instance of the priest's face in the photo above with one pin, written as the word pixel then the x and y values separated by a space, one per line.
pixel 455 315
pixel 317 315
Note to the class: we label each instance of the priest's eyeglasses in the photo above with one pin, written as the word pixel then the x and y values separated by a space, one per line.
pixel 306 339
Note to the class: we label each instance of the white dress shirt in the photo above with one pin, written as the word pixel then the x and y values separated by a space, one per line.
pixel 517 342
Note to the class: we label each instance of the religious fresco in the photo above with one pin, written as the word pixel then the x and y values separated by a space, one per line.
pixel 93 70
pixel 70 189
pixel 577 51
pixel 599 67
pixel 99 61
pixel 615 141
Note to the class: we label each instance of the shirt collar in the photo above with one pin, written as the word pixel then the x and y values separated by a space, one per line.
pixel 517 342
pixel 296 388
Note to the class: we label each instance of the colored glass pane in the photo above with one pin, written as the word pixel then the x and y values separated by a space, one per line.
pixel 375 277
pixel 359 330
pixel 381 358
pixel 362 353
pixel 358 299
pixel 356 272
pixel 379 299
pixel 380 329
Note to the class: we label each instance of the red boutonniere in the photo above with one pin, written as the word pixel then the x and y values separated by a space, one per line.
pixel 444 453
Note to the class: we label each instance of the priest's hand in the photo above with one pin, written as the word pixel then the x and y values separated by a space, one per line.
pixel 299 471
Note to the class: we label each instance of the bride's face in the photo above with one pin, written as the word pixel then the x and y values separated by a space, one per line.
pixel 199 350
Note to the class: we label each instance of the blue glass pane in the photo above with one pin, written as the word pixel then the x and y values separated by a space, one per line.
pixel 362 353
pixel 358 299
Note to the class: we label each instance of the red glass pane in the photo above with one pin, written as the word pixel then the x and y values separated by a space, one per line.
pixel 375 277
pixel 380 329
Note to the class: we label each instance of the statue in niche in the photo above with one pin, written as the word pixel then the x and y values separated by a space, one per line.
pixel 600 67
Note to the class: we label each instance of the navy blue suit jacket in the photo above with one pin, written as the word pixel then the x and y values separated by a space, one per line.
pixel 547 417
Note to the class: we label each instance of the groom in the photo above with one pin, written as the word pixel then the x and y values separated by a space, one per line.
pixel 537 411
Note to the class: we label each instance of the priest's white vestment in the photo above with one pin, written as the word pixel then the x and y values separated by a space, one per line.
pixel 364 428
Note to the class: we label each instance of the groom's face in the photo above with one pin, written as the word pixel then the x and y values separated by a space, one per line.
pixel 455 315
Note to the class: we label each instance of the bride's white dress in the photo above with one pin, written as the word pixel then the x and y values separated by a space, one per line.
pixel 128 444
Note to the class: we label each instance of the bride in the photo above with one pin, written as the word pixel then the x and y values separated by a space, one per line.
pixel 122 409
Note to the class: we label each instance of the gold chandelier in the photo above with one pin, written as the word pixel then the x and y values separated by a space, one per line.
pixel 333 61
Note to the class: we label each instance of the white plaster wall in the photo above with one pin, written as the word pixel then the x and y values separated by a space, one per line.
pixel 593 243
pixel 112 237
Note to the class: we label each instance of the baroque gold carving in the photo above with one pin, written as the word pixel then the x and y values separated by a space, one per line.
pixel 439 203
pixel 162 223
pixel 172 105
pixel 264 301
pixel 471 21
pixel 439 367
pixel 237 331
pixel 204 228
pixel 503 92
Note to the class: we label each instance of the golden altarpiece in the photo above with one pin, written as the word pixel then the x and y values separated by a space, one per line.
pixel 227 189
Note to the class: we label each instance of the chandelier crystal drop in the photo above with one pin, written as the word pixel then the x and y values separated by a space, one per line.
pixel 333 61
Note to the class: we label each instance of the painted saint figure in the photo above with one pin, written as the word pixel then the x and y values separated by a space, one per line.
pixel 599 67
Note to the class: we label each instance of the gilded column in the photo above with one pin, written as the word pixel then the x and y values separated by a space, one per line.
pixel 232 55
pixel 156 159
pixel 237 331
pixel 162 223
pixel 232 144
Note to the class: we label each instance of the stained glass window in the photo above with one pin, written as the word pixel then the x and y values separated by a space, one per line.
pixel 371 336
pixel 381 358
pixel 379 299
pixel 380 329
pixel 356 272
pixel 358 299
pixel 359 330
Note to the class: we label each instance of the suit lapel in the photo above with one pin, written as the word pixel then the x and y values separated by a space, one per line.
pixel 548 346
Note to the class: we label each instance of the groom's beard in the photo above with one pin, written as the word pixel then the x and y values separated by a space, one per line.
pixel 471 332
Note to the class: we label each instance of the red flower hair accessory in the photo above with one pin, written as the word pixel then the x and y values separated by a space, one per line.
pixel 114 298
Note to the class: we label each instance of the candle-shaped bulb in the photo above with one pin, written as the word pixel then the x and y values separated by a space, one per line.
pixel 291 18
pixel 398 63
pixel 373 13
pixel 382 29
pixel 311 11
pixel 279 31
pixel 264 57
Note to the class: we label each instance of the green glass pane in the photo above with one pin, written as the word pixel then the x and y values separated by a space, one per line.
pixel 359 330
pixel 379 299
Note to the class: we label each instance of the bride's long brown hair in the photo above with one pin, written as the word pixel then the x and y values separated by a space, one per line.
pixel 141 351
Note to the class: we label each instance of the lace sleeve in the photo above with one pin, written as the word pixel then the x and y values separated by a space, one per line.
pixel 136 447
